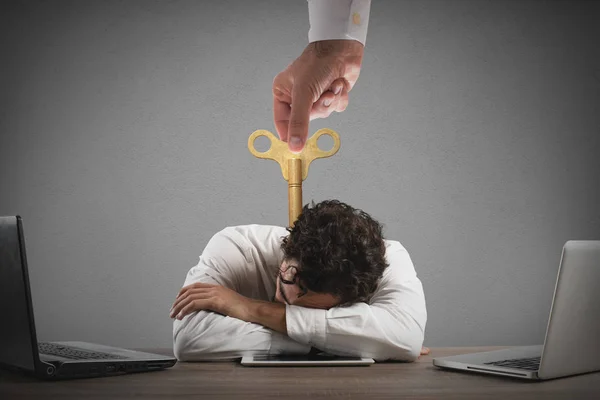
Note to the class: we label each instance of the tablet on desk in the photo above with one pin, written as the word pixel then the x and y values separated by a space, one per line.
pixel 309 360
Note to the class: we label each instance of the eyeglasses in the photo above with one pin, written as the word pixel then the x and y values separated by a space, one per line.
pixel 292 271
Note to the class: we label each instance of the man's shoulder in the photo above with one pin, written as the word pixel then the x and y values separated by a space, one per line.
pixel 399 260
pixel 257 244
pixel 255 230
pixel 392 246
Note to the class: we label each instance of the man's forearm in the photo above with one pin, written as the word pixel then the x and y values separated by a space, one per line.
pixel 268 314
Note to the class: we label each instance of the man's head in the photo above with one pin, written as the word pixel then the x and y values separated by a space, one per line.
pixel 334 255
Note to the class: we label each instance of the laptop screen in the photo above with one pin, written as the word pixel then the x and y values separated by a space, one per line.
pixel 17 332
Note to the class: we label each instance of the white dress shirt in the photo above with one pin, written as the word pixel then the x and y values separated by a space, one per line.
pixel 247 259
pixel 338 19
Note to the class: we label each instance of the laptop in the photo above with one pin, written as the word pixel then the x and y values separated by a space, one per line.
pixel 19 348
pixel 572 342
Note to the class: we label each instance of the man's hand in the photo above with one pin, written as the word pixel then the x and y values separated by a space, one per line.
pixel 203 296
pixel 222 300
pixel 313 86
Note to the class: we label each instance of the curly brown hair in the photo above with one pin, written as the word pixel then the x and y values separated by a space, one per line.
pixel 340 250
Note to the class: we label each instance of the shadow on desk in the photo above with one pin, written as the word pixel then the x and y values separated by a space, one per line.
pixel 224 380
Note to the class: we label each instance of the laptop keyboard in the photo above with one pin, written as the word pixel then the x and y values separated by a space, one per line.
pixel 74 353
pixel 530 364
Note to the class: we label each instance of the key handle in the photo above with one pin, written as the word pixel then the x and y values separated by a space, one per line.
pixel 280 152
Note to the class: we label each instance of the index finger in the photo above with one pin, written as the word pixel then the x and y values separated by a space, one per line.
pixel 299 117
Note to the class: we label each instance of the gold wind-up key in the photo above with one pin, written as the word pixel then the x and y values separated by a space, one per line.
pixel 294 166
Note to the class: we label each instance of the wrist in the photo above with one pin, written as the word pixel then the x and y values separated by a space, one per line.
pixel 343 55
pixel 338 48
pixel 268 314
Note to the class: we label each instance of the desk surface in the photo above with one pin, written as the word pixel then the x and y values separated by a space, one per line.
pixel 220 380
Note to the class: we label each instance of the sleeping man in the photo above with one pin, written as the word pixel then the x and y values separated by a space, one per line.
pixel 331 282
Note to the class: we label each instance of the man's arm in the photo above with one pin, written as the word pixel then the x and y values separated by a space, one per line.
pixel 269 314
pixel 229 261
pixel 392 326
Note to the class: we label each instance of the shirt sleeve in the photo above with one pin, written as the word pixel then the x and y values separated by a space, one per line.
pixel 390 327
pixel 228 260
pixel 338 19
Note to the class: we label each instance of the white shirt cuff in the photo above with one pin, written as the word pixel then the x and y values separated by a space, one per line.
pixel 306 325
pixel 338 19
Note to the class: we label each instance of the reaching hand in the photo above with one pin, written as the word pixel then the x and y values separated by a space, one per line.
pixel 313 86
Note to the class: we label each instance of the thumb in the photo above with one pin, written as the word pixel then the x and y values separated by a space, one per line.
pixel 299 117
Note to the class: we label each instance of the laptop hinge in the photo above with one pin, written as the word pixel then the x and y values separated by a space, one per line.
pixel 47 369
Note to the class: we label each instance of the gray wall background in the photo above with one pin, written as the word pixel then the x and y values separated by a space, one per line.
pixel 472 134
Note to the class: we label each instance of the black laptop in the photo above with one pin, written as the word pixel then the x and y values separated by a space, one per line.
pixel 19 348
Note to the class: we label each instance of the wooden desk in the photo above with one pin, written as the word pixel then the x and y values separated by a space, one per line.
pixel 224 380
